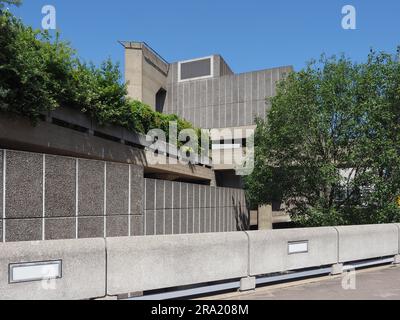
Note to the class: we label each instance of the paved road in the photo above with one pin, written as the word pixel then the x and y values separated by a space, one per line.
pixel 382 283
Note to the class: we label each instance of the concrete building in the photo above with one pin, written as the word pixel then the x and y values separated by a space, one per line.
pixel 206 92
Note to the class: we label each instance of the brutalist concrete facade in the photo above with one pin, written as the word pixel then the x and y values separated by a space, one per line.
pixel 51 197
pixel 217 98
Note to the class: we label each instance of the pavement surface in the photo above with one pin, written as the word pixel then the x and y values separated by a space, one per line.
pixel 380 283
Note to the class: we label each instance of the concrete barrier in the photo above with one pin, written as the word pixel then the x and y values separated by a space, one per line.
pixel 155 262
pixel 63 269
pixel 284 250
pixel 367 242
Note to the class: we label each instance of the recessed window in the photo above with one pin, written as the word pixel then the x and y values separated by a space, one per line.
pixel 195 69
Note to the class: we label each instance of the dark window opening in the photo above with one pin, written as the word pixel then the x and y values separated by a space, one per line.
pixel 160 99
pixel 195 69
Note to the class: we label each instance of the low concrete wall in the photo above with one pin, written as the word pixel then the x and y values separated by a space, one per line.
pixel 83 269
pixel 147 263
pixel 367 241
pixel 270 252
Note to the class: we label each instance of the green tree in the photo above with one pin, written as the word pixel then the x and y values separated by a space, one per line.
pixel 4 3
pixel 329 148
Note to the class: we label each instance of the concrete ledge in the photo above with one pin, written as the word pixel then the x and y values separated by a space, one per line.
pixel 270 252
pixel 367 242
pixel 83 269
pixel 154 262
pixel 247 284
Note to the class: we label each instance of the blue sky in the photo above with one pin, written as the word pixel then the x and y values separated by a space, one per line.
pixel 249 34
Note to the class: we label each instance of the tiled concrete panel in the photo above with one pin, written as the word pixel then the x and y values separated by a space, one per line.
pixel 216 91
pixel 213 191
pixel 177 195
pixel 207 220
pixel 117 190
pixel 160 188
pixel 168 221
pixel 248 86
pixel 196 192
pixel 254 85
pixel 216 116
pixel 117 226
pixel 176 221
pixel 268 84
pixel 1 230
pixel 91 188
pixel 169 194
pixel 23 230
pixel 137 225
pixel 150 194
pixel 196 228
pixel 197 94
pixel 191 220
pixel 209 85
pixel 137 188
pixel 254 114
pixel 222 90
pixel 218 227
pixel 60 228
pixel 229 115
pixel 24 185
pixel 149 216
pixel 203 203
pixel 203 93
pixel 191 197
pixel 160 222
pixel 190 92
pixel 222 117
pixel 213 218
pixel 203 117
pixel 184 220
pixel 184 195
pixel 90 227
pixel 242 113
pixel 242 78
pixel 202 217
pixel 261 86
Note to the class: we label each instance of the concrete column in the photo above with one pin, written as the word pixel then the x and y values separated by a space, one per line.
pixel 337 269
pixel 247 284
pixel 265 218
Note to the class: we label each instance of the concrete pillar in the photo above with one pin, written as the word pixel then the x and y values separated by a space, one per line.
pixel 247 284
pixel 265 218
pixel 337 269
pixel 396 259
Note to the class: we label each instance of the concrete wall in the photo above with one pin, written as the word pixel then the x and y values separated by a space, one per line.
pixel 365 242
pixel 47 197
pixel 269 250
pixel 157 262
pixel 175 207
pixel 50 197
pixel 221 102
pixel 148 263
pixel 83 269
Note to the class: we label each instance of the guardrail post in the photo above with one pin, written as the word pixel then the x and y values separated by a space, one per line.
pixel 247 284
pixel 337 269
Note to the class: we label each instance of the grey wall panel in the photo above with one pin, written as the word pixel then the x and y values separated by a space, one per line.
pixel 160 222
pixel 60 186
pixel 91 187
pixel 149 223
pixel 1 230
pixel 117 189
pixel 117 226
pixel 168 221
pixel 159 194
pixel 1 193
pixel 177 195
pixel 23 230
pixel 184 220
pixel 176 221
pixel 60 228
pixel 196 227
pixel 137 225
pixel 24 185
pixel 90 227
pixel 137 190
pixel 169 190
pixel 191 220
pixel 150 194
